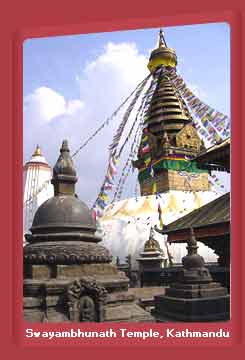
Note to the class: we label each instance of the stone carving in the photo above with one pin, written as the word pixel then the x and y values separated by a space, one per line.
pixel 86 301
pixel 87 309
pixel 66 253
pixel 188 137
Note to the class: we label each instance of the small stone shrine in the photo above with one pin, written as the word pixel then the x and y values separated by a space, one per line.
pixel 151 261
pixel 194 296
pixel 68 276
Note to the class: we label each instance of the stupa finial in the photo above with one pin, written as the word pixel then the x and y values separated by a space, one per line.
pixel 192 243
pixel 161 39
pixel 64 173
pixel 151 244
pixel 37 151
pixel 162 55
pixel 192 259
pixel 64 146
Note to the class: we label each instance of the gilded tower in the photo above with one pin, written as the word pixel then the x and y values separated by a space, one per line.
pixel 170 140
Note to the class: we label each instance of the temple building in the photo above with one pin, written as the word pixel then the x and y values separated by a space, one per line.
pixel 37 186
pixel 69 272
pixel 167 166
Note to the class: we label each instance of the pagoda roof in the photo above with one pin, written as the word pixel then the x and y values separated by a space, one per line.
pixel 210 220
pixel 217 157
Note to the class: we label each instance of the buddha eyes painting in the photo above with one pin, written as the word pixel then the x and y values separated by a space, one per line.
pixel 126 202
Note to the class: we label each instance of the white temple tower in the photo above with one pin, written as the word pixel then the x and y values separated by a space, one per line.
pixel 37 186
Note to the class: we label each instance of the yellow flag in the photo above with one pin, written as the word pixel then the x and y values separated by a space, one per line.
pixel 154 188
pixel 147 161
pixel 161 223
pixel 104 197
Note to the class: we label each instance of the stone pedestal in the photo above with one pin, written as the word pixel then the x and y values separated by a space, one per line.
pixel 205 303
pixel 150 262
pixel 194 296
pixel 83 300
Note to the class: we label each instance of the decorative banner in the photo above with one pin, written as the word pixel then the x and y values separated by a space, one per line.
pixel 154 188
pixel 136 190
pixel 118 135
pixel 114 157
pixel 216 181
pixel 107 121
pixel 136 143
pixel 216 125
pixel 108 183
pixel 159 209
pixel 128 165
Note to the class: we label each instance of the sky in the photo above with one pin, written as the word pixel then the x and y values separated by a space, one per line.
pixel 71 84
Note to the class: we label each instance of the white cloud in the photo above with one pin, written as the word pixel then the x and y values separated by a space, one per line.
pixel 49 117
pixel 44 104
pixel 112 75
pixel 74 106
pixel 122 59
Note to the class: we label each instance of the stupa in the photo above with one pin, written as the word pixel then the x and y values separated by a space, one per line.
pixel 165 164
pixel 68 276
pixel 37 185
pixel 151 261
pixel 194 296
pixel 170 140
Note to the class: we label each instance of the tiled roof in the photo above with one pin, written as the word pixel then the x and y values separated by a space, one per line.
pixel 215 156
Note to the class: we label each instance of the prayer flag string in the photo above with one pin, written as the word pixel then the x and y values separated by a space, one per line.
pixel 211 124
pixel 107 121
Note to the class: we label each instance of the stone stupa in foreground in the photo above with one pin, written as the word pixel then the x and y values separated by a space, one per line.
pixel 68 277
pixel 194 296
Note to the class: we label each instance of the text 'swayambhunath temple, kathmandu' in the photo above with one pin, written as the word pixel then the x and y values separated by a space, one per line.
pixel 158 256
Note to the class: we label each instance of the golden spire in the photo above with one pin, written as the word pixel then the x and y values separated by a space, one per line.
pixel 162 55
pixel 152 244
pixel 37 151
pixel 161 39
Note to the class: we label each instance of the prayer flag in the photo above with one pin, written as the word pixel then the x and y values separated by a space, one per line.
pixel 154 188
pixel 160 216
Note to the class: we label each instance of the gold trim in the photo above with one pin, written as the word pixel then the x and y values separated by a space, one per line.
pixel 37 151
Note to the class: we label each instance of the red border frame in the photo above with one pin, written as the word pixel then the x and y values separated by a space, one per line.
pixel 30 19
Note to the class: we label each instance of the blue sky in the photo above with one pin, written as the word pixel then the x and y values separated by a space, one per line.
pixel 72 83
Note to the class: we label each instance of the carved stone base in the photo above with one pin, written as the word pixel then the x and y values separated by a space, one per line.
pixel 193 302
pixel 82 300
